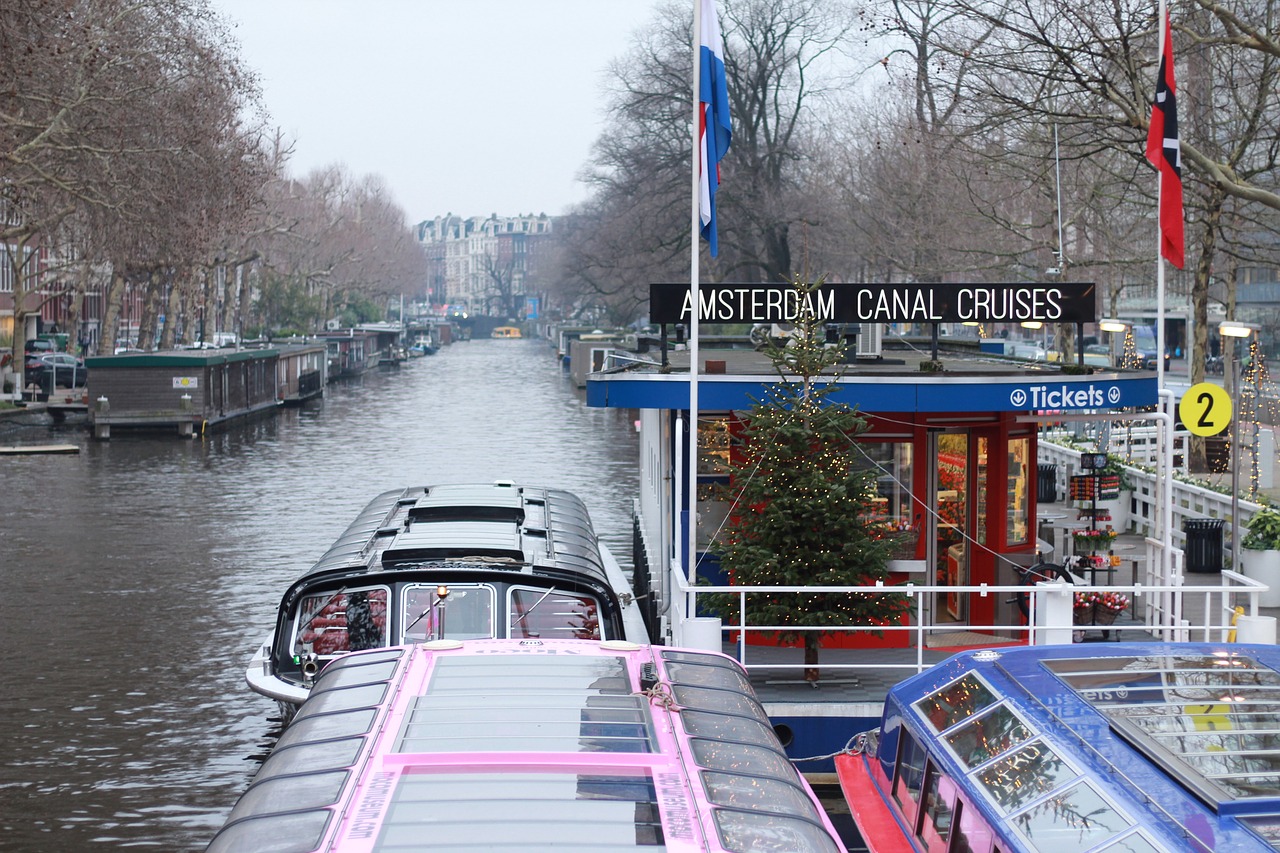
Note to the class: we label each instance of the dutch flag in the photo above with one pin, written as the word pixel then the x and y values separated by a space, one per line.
pixel 713 119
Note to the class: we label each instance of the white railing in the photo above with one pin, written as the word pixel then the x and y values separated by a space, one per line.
pixel 1163 610
pixel 1189 500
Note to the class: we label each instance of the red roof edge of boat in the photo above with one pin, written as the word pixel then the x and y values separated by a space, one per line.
pixel 880 830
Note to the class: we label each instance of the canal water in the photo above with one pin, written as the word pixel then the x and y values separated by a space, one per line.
pixel 139 575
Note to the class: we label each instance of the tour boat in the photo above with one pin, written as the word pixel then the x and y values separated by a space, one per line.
pixel 1134 747
pixel 506 332
pixel 447 562
pixel 526 745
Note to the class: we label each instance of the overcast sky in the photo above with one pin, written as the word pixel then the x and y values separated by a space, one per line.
pixel 469 107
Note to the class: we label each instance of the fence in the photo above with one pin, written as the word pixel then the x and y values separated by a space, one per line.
pixel 1190 501
pixel 1173 612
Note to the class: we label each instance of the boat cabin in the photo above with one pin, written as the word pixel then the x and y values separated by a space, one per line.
pixel 448 562
pixel 529 745
pixel 1134 747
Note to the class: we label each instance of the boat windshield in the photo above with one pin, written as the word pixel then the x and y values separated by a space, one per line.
pixel 465 612
pixel 339 621
pixel 550 613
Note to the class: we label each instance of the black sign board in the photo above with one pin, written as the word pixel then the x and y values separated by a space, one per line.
pixel 1063 302
pixel 1093 461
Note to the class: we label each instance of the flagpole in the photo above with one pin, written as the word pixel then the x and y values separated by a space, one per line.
pixel 695 303
pixel 1165 492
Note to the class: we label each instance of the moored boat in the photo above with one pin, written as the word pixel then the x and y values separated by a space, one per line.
pixel 447 562
pixel 1135 747
pixel 529 745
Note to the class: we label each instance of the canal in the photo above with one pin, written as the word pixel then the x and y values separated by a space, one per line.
pixel 139 575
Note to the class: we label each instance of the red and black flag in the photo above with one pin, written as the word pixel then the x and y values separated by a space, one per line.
pixel 1166 155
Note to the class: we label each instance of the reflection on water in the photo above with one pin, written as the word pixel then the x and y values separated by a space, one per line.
pixel 139 574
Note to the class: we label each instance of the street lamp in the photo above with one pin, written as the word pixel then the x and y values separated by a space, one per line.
pixel 1233 329
pixel 1112 327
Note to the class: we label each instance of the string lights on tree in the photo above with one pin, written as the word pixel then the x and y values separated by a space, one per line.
pixel 803 509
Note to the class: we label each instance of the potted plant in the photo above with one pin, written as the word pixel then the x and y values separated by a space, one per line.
pixel 1260 553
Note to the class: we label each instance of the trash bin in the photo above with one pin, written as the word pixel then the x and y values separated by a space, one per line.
pixel 1204 544
pixel 1047 483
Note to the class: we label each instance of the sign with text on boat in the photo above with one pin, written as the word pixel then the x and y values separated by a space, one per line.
pixel 725 302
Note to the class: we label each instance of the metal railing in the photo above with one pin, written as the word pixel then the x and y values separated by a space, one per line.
pixel 1171 611
pixel 1189 500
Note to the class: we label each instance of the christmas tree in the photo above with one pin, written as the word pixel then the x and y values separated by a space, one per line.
pixel 803 502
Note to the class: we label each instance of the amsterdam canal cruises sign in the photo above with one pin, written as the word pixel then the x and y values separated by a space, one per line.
pixel 1063 302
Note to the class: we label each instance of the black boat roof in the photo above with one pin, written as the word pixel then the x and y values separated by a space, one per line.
pixel 493 525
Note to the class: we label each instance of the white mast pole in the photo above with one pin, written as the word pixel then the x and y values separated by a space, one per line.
pixel 695 300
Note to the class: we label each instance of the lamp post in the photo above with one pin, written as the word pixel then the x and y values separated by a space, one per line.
pixel 1112 327
pixel 1233 329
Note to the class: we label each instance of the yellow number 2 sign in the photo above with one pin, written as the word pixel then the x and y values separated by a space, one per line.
pixel 1205 409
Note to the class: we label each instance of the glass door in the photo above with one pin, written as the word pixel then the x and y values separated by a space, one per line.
pixel 953 520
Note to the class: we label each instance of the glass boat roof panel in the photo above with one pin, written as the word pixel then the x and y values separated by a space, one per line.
pixel 982 738
pixel 1072 820
pixel 533 704
pixel 957 701
pixel 539 811
pixel 470 501
pixel 1026 774
pixel 742 758
pixel 1210 720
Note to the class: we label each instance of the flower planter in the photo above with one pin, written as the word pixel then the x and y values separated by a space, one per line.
pixel 1119 510
pixel 1263 566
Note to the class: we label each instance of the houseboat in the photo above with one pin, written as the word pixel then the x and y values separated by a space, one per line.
pixel 187 391
pixel 1136 747
pixel 529 744
pixel 301 371
pixel 447 562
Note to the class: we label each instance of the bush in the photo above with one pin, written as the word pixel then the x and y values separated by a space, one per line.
pixel 1264 531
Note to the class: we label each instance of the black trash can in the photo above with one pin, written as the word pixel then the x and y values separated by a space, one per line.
pixel 1047 483
pixel 1204 544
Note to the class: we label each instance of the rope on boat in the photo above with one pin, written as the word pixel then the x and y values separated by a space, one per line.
pixel 660 695
pixel 858 744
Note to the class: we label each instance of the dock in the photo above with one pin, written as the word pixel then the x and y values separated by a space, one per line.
pixel 33 449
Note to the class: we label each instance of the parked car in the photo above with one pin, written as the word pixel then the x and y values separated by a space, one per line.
pixel 50 370
pixel 37 347
pixel 1144 341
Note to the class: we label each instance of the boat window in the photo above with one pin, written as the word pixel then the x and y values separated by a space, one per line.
pixel 333 678
pixel 1134 844
pixel 709 676
pixel 983 738
pixel 538 811
pixel 959 700
pixel 1072 820
pixel 1207 719
pixel 742 758
pixel 748 832
pixel 935 808
pixel 739 729
pixel 346 699
pixel 309 757
pixel 290 793
pixel 326 726
pixel 722 701
pixel 733 790
pixel 536 704
pixel 552 614
pixel 909 775
pixel 299 832
pixel 466 613
pixel 1267 826
pixel 1017 779
pixel 341 621
pixel 972 835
